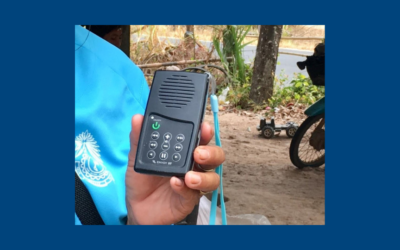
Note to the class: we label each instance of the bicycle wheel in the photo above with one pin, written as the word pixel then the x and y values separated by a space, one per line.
pixel 307 148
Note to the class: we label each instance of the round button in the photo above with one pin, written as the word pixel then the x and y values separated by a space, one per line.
pixel 163 155
pixel 153 144
pixel 180 138
pixel 155 135
pixel 176 157
pixel 165 145
pixel 151 154
pixel 178 147
pixel 167 136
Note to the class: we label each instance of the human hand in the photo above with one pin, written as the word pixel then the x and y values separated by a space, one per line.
pixel 155 200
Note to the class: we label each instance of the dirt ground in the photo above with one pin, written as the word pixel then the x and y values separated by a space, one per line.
pixel 259 177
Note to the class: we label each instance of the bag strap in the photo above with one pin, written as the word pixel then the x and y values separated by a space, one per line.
pixel 191 219
pixel 85 208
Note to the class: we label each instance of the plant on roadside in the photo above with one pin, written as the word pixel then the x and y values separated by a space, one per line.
pixel 239 72
pixel 300 90
pixel 239 92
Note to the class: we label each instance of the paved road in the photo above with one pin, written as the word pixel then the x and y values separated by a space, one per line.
pixel 287 63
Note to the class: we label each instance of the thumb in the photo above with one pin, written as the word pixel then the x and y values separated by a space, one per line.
pixel 136 124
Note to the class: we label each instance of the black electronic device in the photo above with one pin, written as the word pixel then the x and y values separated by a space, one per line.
pixel 172 121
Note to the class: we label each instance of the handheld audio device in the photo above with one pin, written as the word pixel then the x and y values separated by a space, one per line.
pixel 172 121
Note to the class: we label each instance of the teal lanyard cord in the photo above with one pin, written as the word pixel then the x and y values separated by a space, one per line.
pixel 213 210
pixel 218 170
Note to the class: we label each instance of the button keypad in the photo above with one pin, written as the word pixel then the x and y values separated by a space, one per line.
pixel 163 155
pixel 180 138
pixel 155 135
pixel 165 145
pixel 153 144
pixel 176 157
pixel 167 142
pixel 151 154
pixel 178 147
pixel 167 136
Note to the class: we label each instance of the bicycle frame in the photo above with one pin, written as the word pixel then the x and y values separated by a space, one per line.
pixel 316 108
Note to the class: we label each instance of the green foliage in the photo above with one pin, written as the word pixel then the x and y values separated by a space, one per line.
pixel 239 95
pixel 239 92
pixel 239 73
pixel 286 30
pixel 233 45
pixel 300 90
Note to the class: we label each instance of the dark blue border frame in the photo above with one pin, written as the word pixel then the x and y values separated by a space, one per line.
pixel 37 101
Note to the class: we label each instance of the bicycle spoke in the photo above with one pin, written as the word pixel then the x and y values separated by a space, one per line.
pixel 306 152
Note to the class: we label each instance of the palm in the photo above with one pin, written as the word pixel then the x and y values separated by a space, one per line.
pixel 153 200
pixel 164 200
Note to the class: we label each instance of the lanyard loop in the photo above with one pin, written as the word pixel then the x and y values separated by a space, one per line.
pixel 214 108
pixel 213 210
pixel 218 170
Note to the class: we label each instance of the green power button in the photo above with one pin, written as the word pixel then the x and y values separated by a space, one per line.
pixel 155 125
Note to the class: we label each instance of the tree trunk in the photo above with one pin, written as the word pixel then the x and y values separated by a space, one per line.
pixel 126 39
pixel 190 28
pixel 262 83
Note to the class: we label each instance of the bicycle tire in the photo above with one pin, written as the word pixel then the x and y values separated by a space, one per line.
pixel 296 140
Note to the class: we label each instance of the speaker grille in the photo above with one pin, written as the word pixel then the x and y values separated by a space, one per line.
pixel 176 91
